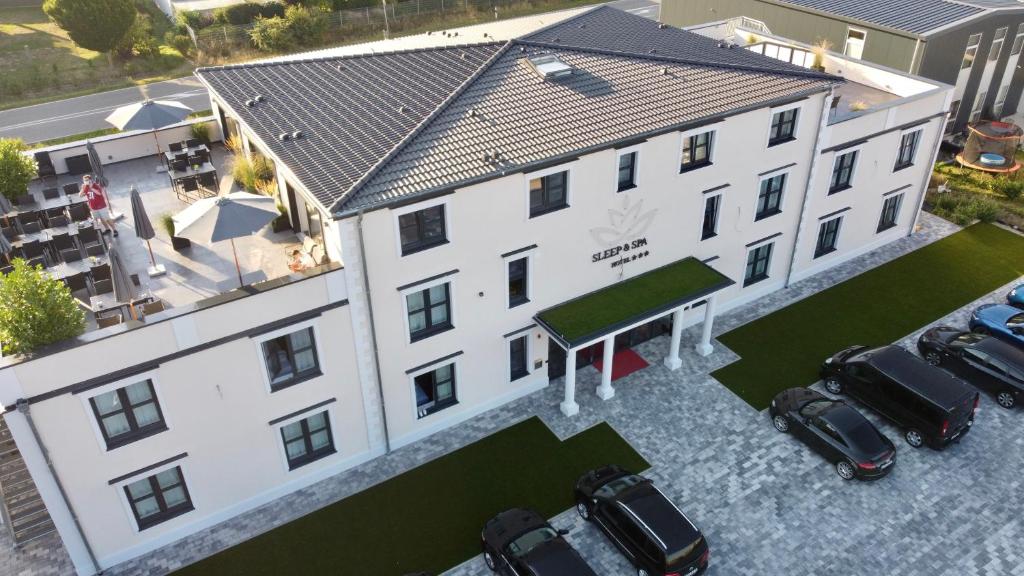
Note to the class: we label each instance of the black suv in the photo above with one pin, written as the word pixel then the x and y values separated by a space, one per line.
pixel 990 364
pixel 931 406
pixel 653 533
pixel 520 542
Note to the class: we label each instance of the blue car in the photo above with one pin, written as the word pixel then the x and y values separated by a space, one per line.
pixel 1000 320
pixel 1016 297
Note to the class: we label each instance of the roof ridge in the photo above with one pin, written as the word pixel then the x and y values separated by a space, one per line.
pixel 590 10
pixel 420 127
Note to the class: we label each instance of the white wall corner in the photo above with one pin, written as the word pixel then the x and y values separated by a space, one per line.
pixel 10 387
pixel 337 286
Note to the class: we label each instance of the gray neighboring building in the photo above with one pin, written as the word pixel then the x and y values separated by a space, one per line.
pixel 973 45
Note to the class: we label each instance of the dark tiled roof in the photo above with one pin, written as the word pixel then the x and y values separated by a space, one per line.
pixel 914 16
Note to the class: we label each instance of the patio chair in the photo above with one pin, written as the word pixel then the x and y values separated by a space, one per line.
pixel 37 261
pixel 152 307
pixel 175 147
pixel 60 242
pixel 89 236
pixel 10 231
pixel 190 184
pixel 54 212
pixel 135 279
pixel 79 212
pixel 179 165
pixel 71 255
pixel 95 250
pixel 100 273
pixel 29 217
pixel 71 189
pixel 79 287
pixel 45 165
pixel 200 157
pixel 31 228
pixel 31 249
pixel 181 157
pixel 6 270
pixel 103 287
pixel 193 143
pixel 208 182
pixel 51 193
pixel 108 321
pixel 26 200
pixel 58 221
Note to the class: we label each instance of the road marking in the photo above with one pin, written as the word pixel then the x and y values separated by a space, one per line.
pixel 83 113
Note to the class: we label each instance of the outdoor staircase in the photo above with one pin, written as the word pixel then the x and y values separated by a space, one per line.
pixel 24 513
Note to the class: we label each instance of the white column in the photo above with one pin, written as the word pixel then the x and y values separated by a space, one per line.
pixel 605 390
pixel 569 406
pixel 704 346
pixel 672 361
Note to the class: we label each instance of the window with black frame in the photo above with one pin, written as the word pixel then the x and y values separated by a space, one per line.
pixel 291 358
pixel 908 149
pixel 307 440
pixel 518 290
pixel 842 172
pixel 429 311
pixel 828 237
pixel 422 229
pixel 517 358
pixel 758 262
pixel 128 414
pixel 549 193
pixel 769 199
pixel 890 212
pixel 709 227
pixel 158 498
pixel 435 390
pixel 696 151
pixel 783 127
pixel 627 171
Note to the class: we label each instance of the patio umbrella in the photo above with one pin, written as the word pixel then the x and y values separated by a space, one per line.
pixel 144 230
pixel 149 115
pixel 226 218
pixel 99 177
pixel 124 290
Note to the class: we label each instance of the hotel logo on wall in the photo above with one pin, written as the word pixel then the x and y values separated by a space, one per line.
pixel 624 240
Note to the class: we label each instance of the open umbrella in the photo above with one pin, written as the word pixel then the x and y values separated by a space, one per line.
pixel 144 230
pixel 124 290
pixel 149 115
pixel 97 172
pixel 225 218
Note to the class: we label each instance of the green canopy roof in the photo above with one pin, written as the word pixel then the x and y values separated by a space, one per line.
pixel 647 296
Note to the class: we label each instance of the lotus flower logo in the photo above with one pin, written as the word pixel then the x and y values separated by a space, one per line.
pixel 628 222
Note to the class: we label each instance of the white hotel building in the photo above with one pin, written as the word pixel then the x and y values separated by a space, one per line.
pixel 496 215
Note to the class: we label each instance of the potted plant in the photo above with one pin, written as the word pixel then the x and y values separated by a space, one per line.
pixel 282 223
pixel 177 243
pixel 820 49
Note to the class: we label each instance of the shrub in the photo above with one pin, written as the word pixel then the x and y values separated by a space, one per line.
pixel 985 209
pixel 16 169
pixel 272 10
pixel 306 25
pixel 233 144
pixel 200 131
pixel 272 35
pixel 244 174
pixel 238 14
pixel 1011 188
pixel 167 221
pixel 262 168
pixel 36 310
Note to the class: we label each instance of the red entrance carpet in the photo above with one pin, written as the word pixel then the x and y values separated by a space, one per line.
pixel 624 363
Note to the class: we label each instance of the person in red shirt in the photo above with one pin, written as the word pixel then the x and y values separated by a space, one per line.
pixel 93 193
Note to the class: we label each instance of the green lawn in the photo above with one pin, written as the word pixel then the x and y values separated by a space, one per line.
pixel 786 348
pixel 430 517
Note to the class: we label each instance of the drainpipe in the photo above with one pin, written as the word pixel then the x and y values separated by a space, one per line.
pixel 815 153
pixel 23 407
pixel 373 332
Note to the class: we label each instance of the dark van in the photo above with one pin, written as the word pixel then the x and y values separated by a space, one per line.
pixel 930 405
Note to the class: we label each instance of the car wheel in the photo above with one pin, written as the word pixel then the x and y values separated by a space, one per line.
pixel 489 560
pixel 1006 399
pixel 583 509
pixel 833 385
pixel 781 423
pixel 933 358
pixel 845 470
pixel 914 438
pixel 979 329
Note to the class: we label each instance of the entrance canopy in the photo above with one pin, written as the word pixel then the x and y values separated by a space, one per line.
pixel 617 307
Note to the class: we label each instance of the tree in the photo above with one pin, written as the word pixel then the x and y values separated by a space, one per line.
pixel 306 25
pixel 36 310
pixel 16 169
pixel 93 24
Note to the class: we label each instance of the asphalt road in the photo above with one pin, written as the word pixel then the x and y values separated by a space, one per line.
pixel 87 113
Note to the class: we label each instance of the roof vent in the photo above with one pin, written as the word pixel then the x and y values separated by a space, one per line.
pixel 296 135
pixel 549 66
pixel 340 67
pixel 472 112
pixel 661 25
pixel 250 103
pixel 462 56
pixel 401 109
pixel 664 71
pixel 582 26
pixel 651 51
pixel 258 98
pixel 284 136
pixel 721 44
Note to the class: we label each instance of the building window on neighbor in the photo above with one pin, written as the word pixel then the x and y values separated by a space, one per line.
pixel 1018 41
pixel 997 107
pixel 307 440
pixel 890 212
pixel 855 43
pixel 758 261
pixel 697 150
pixel 979 105
pixel 549 193
pixel 158 498
pixel 709 227
pixel 128 414
pixel 842 172
pixel 518 285
pixel 828 237
pixel 769 199
pixel 627 171
pixel 435 390
pixel 997 45
pixel 971 52
pixel 954 110
pixel 517 350
pixel 291 358
pixel 908 150
pixel 429 311
pixel 783 127
pixel 422 229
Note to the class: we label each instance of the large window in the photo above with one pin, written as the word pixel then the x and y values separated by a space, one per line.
pixel 518 286
pixel 422 229
pixel 842 172
pixel 769 199
pixel 291 358
pixel 429 311
pixel 828 236
pixel 697 150
pixel 435 390
pixel 908 150
pixel 128 414
pixel 855 43
pixel 979 105
pixel 890 212
pixel 997 45
pixel 158 498
pixel 758 261
pixel 517 350
pixel 627 171
pixel 971 52
pixel 307 440
pixel 783 127
pixel 709 228
pixel 1018 41
pixel 997 107
pixel 549 193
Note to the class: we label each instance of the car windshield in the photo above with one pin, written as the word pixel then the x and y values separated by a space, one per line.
pixel 816 407
pixel 521 546
pixel 1015 320
pixel 618 485
pixel 865 437
pixel 969 338
pixel 684 555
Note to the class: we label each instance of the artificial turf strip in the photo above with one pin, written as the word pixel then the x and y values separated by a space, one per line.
pixel 430 517
pixel 787 347
pixel 588 315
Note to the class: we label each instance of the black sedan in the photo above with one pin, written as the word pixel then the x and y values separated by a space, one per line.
pixel 989 364
pixel 518 542
pixel 834 430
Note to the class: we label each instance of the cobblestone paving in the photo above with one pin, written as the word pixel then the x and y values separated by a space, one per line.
pixel 767 505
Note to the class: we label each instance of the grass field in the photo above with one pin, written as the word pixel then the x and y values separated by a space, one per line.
pixel 786 348
pixel 429 518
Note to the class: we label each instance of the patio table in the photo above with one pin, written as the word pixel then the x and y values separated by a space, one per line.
pixel 169 155
pixel 62 270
